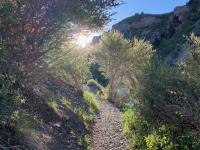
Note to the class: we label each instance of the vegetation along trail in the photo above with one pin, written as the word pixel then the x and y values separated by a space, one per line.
pixel 107 131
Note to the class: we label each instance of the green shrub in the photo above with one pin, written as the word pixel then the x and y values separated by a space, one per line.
pixel 23 121
pixel 73 67
pixel 171 94
pixel 169 97
pixel 105 95
pixel 128 121
pixel 102 91
pixel 89 117
pixel 91 100
pixel 152 141
pixel 160 138
pixel 10 98
pixel 80 113
pixel 93 82
pixel 96 85
pixel 135 127
pixel 145 135
pixel 85 141
pixel 66 102
pixel 53 105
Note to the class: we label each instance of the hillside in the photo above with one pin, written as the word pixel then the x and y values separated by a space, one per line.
pixel 148 26
pixel 165 31
pixel 59 92
pixel 43 105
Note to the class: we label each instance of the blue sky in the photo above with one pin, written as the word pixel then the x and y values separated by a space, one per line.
pixel 147 6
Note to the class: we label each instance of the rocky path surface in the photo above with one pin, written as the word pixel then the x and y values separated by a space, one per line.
pixel 107 130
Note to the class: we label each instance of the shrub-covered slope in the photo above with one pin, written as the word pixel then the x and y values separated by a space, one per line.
pixel 166 31
pixel 48 118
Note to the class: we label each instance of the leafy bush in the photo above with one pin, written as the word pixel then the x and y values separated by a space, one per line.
pixel 160 138
pixel 80 113
pixel 146 135
pixel 6 100
pixel 23 121
pixel 121 60
pixel 102 91
pixel 14 12
pixel 65 102
pixel 169 97
pixel 87 116
pixel 91 100
pixel 135 127
pixel 53 105
pixel 171 94
pixel 105 95
pixel 69 65
pixel 10 98
pixel 85 141
pixel 128 121
pixel 94 84
pixel 152 142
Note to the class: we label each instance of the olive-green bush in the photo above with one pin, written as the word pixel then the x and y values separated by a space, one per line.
pixel 94 84
pixel 91 100
pixel 147 135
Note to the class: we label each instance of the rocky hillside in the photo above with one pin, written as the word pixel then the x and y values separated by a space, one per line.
pixel 165 31
pixel 142 25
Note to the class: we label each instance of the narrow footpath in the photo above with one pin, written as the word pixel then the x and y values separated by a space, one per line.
pixel 107 130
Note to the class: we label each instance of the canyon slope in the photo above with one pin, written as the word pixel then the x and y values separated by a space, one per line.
pixel 167 32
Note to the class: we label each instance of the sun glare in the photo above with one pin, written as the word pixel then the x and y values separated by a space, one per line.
pixel 84 39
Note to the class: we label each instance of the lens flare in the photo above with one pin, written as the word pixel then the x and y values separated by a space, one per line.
pixel 83 40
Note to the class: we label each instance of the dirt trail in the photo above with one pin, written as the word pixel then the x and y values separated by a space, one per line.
pixel 107 130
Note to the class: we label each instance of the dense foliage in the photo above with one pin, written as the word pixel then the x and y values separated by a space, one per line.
pixel 27 25
pixel 166 104
pixel 164 113
pixel 172 94
pixel 8 97
pixel 30 30
pixel 36 47
pixel 121 59
pixel 147 135
pixel 91 100
pixel 94 85
pixel 32 33
pixel 70 65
